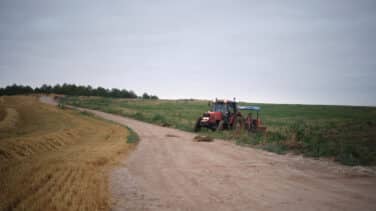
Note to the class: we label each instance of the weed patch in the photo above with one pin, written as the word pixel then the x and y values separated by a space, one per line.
pixel 132 136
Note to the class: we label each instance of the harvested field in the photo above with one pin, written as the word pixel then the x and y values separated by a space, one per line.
pixel 2 114
pixel 9 118
pixel 54 159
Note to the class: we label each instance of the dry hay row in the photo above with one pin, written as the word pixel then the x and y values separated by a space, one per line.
pixel 24 147
pixel 64 189
pixel 58 183
pixel 64 185
pixel 32 182
pixel 10 119
pixel 2 114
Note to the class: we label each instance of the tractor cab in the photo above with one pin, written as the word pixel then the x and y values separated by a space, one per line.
pixel 224 106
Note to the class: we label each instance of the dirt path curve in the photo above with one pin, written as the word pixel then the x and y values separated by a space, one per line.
pixel 168 171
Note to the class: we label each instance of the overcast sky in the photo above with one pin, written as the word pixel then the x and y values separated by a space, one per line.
pixel 315 52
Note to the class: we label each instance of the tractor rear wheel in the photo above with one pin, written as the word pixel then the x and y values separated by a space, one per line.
pixel 197 127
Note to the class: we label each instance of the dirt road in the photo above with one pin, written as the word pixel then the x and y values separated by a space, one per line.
pixel 168 171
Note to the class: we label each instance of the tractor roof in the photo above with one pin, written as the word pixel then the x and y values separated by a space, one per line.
pixel 223 101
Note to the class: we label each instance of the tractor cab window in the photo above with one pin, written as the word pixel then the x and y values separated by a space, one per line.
pixel 232 108
pixel 219 107
pixel 224 108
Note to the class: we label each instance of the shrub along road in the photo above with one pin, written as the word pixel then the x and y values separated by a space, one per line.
pixel 168 171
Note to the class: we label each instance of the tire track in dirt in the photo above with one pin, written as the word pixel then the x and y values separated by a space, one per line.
pixel 175 173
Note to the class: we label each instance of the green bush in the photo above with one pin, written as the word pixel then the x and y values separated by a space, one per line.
pixel 300 130
pixel 275 137
pixel 138 115
pixel 157 118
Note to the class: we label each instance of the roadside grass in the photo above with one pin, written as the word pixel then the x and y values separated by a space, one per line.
pixel 132 137
pixel 86 113
pixel 346 134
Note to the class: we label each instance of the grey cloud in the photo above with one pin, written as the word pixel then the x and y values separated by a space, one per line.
pixel 272 51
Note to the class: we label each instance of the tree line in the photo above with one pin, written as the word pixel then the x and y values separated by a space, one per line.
pixel 74 90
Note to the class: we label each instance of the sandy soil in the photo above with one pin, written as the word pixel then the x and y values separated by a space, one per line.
pixel 168 171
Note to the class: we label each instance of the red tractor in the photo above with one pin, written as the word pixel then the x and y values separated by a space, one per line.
pixel 225 114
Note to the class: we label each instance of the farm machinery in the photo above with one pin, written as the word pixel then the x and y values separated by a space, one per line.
pixel 226 114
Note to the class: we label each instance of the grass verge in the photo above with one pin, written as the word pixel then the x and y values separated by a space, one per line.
pixel 132 137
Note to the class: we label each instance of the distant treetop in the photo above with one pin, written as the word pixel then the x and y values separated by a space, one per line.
pixel 74 90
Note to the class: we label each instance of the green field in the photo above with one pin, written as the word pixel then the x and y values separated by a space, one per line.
pixel 343 133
